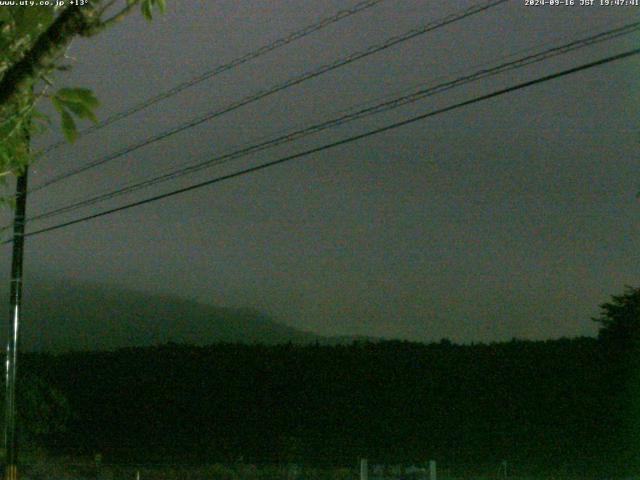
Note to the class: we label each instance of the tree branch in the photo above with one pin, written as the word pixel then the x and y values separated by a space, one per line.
pixel 38 59
pixel 41 56
pixel 118 17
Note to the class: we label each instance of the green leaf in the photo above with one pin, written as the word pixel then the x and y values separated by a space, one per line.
pixel 78 95
pixel 9 201
pixel 5 154
pixel 146 9
pixel 5 15
pixel 80 101
pixel 81 111
pixel 57 104
pixel 69 127
pixel 33 20
pixel 162 5
pixel 38 116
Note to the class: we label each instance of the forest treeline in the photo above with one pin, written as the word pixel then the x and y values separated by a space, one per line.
pixel 567 402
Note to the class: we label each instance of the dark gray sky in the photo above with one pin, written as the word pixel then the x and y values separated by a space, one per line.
pixel 513 217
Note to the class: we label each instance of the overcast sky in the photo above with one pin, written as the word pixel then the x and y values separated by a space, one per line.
pixel 513 217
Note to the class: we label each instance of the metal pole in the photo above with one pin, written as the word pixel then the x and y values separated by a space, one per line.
pixel 432 470
pixel 10 440
pixel 364 472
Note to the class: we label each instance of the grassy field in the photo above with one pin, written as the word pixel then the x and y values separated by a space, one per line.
pixel 70 469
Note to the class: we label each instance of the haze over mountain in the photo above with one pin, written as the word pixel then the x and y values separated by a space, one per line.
pixel 66 315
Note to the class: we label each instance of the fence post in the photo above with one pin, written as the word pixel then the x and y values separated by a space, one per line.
pixel 98 462
pixel 364 473
pixel 432 470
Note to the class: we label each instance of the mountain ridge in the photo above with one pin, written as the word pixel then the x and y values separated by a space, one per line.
pixel 64 315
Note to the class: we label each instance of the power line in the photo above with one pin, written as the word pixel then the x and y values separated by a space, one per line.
pixel 279 43
pixel 349 117
pixel 362 113
pixel 413 33
pixel 407 89
pixel 344 141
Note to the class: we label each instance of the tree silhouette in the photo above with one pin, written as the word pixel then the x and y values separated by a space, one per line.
pixel 620 320
pixel 620 337
pixel 44 411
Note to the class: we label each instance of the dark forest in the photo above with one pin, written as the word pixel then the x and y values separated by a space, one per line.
pixel 568 404
pixel 563 402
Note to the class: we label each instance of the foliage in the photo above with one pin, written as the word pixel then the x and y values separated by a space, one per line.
pixel 19 27
pixel 620 337
pixel 43 411
pixel 565 407
pixel 537 404
pixel 620 320
pixel 77 101
pixel 53 469
pixel 33 42
pixel 147 7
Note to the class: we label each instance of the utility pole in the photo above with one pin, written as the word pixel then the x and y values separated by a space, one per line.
pixel 10 444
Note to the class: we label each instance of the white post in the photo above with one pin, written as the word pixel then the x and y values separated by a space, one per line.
pixel 364 474
pixel 432 470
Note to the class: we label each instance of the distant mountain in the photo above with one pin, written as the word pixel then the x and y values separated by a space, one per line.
pixel 75 316
pixel 61 316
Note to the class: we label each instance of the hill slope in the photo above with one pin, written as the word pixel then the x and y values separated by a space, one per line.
pixel 65 315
